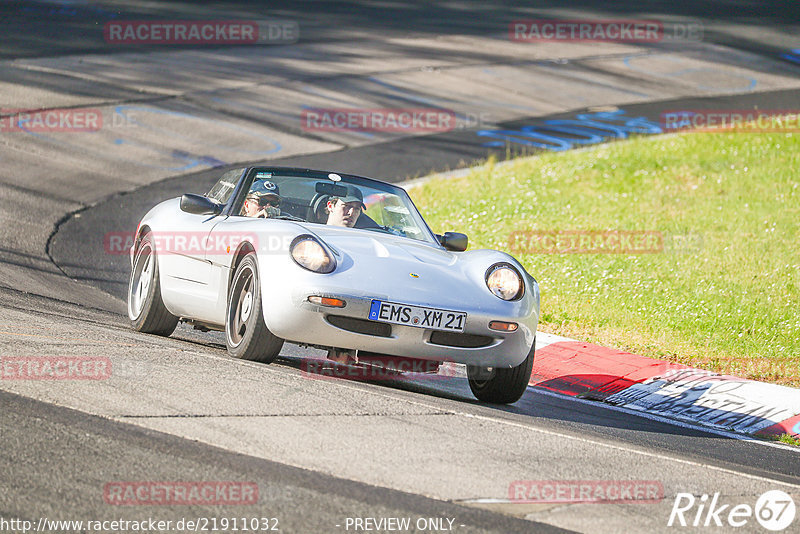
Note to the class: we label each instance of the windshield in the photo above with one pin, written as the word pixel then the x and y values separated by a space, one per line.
pixel 331 199
pixel 223 189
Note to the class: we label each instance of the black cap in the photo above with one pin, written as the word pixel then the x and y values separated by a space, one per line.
pixel 264 188
pixel 353 195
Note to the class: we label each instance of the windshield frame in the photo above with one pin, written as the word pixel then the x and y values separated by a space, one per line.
pixel 236 200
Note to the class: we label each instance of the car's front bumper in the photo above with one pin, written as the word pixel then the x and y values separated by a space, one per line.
pixel 349 328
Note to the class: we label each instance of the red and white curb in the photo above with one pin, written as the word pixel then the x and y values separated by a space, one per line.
pixel 670 390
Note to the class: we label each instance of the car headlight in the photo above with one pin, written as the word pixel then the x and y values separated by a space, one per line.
pixel 504 281
pixel 309 254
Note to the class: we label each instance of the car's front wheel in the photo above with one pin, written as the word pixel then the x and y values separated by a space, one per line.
pixel 246 334
pixel 501 386
pixel 146 310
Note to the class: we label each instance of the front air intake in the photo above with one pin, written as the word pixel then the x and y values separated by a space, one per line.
pixel 453 339
pixel 360 326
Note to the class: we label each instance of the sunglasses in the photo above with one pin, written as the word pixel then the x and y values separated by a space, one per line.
pixel 264 202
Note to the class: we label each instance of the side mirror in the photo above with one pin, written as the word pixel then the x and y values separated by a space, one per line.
pixel 454 241
pixel 199 205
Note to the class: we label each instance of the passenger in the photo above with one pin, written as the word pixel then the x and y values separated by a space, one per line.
pixel 263 200
pixel 345 210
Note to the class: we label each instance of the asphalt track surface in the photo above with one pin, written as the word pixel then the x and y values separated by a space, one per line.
pixel 127 451
pixel 320 451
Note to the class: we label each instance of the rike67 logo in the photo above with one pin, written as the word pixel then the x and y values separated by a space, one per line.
pixel 774 510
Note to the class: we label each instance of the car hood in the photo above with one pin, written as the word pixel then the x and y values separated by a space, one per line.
pixel 379 265
pixel 368 243
pixel 413 271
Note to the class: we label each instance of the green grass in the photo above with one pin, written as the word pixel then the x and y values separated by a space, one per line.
pixel 729 302
pixel 789 440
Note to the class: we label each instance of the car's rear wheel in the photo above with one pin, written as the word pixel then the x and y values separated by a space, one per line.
pixel 146 310
pixel 501 386
pixel 246 334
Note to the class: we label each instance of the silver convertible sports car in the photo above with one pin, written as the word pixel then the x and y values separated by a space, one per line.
pixel 337 262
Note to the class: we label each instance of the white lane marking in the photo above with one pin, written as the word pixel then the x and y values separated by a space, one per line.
pixel 663 457
pixel 379 392
pixel 544 339
pixel 649 454
pixel 621 409
pixel 460 371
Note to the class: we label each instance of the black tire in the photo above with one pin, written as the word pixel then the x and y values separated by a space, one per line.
pixel 501 386
pixel 246 334
pixel 146 310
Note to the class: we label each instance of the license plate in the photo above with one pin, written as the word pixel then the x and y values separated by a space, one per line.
pixel 419 316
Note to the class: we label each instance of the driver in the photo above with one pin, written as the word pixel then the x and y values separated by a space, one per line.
pixel 345 210
pixel 263 200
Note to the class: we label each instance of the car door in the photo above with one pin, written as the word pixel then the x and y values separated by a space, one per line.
pixel 182 244
pixel 181 248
